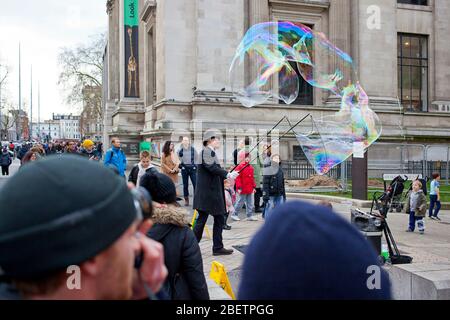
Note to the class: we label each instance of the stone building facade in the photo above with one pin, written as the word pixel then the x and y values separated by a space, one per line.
pixel 401 49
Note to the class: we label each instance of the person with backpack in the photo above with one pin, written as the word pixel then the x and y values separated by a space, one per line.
pixel 182 256
pixel 5 161
pixel 23 151
pixel 274 192
pixel 115 157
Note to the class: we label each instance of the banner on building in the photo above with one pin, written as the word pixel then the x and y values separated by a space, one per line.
pixel 131 34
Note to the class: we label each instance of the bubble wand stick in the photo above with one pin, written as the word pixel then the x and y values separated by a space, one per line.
pixel 282 136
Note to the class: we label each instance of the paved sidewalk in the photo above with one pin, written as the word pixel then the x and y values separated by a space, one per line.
pixel 433 247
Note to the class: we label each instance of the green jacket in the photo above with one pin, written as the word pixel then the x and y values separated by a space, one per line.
pixel 421 209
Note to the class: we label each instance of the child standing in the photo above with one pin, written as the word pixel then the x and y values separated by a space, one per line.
pixel 416 206
pixel 245 187
pixel 435 197
pixel 230 201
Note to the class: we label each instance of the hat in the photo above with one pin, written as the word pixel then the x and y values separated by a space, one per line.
pixel 82 220
pixel 88 143
pixel 161 187
pixel 314 254
pixel 208 135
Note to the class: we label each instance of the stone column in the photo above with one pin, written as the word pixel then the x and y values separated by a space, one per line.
pixel 111 77
pixel 258 11
pixel 340 32
pixel 442 57
pixel 377 51
pixel 129 117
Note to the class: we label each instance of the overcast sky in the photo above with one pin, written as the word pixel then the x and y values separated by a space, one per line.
pixel 43 27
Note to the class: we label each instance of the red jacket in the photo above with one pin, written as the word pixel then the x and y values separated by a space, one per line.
pixel 245 182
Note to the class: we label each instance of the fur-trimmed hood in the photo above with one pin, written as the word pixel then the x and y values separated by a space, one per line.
pixel 171 215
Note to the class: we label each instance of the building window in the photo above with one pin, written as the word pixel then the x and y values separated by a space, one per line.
pixel 413 71
pixel 299 155
pixel 305 90
pixel 415 2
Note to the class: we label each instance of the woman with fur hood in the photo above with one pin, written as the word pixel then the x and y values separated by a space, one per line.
pixel 186 280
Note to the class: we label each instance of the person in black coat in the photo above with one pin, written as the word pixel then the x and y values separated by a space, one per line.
pixel 5 161
pixel 209 198
pixel 274 192
pixel 182 256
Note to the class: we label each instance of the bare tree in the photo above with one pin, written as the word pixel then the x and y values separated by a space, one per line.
pixel 4 72
pixel 8 121
pixel 83 67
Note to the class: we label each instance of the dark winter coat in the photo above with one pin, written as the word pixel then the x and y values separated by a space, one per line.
pixel 5 159
pixel 182 256
pixel 209 192
pixel 22 152
pixel 273 184
pixel 134 173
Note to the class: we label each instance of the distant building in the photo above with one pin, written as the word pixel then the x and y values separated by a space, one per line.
pixel 21 124
pixel 69 126
pixel 46 131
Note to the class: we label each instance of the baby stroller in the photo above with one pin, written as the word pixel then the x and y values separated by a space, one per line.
pixel 381 221
pixel 393 197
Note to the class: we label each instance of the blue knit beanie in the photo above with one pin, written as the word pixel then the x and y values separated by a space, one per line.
pixel 307 252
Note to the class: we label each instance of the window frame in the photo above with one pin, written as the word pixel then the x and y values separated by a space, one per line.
pixel 423 63
pixel 411 2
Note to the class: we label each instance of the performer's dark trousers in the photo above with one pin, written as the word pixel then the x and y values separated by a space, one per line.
pixel 217 229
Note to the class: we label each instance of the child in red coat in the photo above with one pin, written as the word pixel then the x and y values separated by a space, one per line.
pixel 245 188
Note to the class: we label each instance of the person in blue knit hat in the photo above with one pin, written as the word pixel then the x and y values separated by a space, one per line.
pixel 306 252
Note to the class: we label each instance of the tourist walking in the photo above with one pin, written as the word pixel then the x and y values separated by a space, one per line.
pixel 115 157
pixel 435 197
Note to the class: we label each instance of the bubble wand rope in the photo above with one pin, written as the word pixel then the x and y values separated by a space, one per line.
pixel 279 138
pixel 267 134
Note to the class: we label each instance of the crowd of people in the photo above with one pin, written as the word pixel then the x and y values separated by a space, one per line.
pixel 31 151
pixel 137 225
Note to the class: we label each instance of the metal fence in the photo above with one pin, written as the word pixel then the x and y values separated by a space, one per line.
pixel 302 170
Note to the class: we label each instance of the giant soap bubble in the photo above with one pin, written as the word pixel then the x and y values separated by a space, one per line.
pixel 263 69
